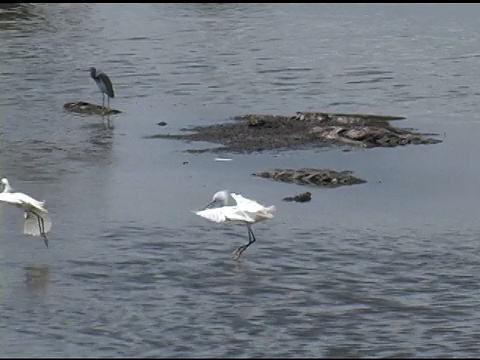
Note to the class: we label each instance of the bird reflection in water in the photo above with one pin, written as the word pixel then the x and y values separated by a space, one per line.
pixel 37 279
pixel 107 125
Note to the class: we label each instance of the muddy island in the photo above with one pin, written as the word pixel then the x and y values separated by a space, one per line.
pixel 257 132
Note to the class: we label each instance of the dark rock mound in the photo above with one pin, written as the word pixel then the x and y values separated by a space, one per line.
pixel 82 107
pixel 313 177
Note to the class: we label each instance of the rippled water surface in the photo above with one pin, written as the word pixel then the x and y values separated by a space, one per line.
pixel 387 268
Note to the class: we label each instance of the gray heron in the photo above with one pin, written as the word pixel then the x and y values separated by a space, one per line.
pixel 105 85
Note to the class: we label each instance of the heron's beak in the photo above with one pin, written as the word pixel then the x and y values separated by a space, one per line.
pixel 209 205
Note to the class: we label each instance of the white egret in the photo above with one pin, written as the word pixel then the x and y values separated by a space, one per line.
pixel 105 85
pixel 232 207
pixel 37 219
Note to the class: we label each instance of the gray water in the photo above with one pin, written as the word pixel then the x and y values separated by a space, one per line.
pixel 387 268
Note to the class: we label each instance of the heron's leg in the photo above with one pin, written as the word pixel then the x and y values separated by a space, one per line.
pixel 41 227
pixel 103 100
pixel 108 103
pixel 251 239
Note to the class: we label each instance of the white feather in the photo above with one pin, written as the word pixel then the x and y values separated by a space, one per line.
pixel 226 213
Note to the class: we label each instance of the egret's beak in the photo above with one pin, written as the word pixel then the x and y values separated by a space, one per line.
pixel 209 205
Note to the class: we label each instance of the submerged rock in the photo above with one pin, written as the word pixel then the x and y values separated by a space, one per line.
pixel 82 107
pixel 257 132
pixel 314 177
pixel 303 197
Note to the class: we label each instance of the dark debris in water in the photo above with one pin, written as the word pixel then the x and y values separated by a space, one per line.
pixel 312 177
pixel 82 107
pixel 257 132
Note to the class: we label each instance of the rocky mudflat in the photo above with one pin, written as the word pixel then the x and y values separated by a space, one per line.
pixel 258 132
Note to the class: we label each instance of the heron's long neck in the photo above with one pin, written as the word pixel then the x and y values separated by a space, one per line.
pixel 94 75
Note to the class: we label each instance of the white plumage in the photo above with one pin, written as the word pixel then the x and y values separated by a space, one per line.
pixel 232 207
pixel 37 219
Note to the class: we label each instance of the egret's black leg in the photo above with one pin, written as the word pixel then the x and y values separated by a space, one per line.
pixel 39 223
pixel 41 227
pixel 251 239
pixel 45 239
pixel 103 101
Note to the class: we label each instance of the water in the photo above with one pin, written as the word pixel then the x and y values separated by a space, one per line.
pixel 387 268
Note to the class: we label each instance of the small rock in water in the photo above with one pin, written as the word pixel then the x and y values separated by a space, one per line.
pixel 303 197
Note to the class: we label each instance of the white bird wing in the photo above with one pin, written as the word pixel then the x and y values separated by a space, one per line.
pixel 243 200
pixel 224 213
pixel 31 227
pixel 253 208
pixel 10 199
pixel 29 202
pixel 215 215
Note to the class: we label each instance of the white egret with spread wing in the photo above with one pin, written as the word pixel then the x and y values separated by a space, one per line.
pixel 231 207
pixel 37 219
